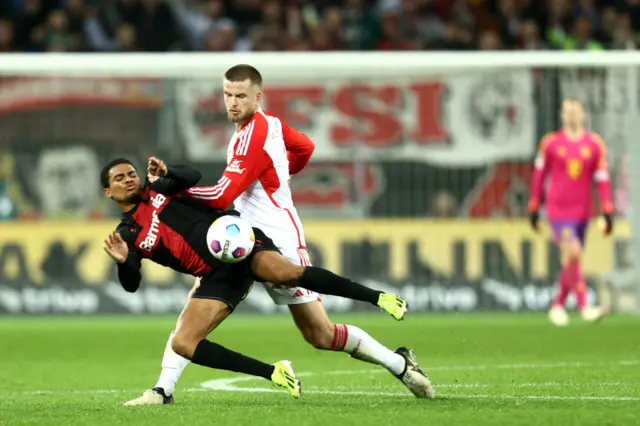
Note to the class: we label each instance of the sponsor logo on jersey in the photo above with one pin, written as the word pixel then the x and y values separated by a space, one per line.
pixel 235 167
pixel 152 235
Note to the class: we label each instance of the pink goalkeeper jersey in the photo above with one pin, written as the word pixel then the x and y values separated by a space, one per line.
pixel 571 166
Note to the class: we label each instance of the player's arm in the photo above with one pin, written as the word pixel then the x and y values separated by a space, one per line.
pixel 177 179
pixel 121 248
pixel 602 179
pixel 540 171
pixel 249 162
pixel 299 148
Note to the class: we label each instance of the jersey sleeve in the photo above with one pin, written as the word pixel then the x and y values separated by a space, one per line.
pixel 249 162
pixel 601 175
pixel 540 171
pixel 178 178
pixel 299 148
pixel 129 273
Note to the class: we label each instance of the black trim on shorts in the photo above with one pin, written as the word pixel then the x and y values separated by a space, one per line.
pixel 229 304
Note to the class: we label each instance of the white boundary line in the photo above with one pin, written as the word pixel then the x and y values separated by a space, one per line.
pixel 229 384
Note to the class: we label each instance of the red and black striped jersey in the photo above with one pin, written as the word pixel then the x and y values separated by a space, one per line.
pixel 168 228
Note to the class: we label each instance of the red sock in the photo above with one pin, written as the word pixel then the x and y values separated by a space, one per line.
pixel 581 293
pixel 564 287
pixel 579 284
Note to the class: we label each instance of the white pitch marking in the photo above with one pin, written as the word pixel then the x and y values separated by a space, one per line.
pixel 483 385
pixel 229 384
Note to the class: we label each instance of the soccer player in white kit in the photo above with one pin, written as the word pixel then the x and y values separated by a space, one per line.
pixel 261 157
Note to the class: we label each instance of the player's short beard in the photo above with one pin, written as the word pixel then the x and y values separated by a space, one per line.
pixel 241 118
pixel 134 198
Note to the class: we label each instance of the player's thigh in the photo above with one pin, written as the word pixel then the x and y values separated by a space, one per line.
pixel 267 264
pixel 292 294
pixel 196 321
pixel 200 316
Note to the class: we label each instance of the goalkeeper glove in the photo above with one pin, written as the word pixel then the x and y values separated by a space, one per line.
pixel 534 218
pixel 607 223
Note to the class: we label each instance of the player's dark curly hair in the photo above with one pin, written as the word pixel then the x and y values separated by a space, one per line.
pixel 104 174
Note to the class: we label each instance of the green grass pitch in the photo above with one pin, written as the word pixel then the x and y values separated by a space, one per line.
pixel 488 370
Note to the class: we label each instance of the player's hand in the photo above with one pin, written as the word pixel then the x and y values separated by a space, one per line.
pixel 534 218
pixel 151 178
pixel 156 167
pixel 116 247
pixel 607 221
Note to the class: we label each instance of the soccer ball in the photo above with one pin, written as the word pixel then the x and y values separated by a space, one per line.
pixel 230 239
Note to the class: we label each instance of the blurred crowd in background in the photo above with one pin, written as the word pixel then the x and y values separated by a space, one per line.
pixel 316 25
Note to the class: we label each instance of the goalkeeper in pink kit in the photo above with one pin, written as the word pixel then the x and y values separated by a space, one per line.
pixel 571 158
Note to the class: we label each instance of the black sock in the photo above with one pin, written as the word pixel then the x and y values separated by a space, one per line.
pixel 213 355
pixel 326 282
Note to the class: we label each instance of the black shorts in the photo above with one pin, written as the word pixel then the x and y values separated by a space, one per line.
pixel 231 282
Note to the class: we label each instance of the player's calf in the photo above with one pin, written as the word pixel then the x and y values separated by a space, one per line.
pixel 198 318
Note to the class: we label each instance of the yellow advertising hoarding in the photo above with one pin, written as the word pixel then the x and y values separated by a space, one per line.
pixel 25 247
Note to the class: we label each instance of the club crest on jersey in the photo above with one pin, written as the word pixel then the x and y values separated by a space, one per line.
pixel 235 167
pixel 151 239
pixel 574 168
pixel 586 152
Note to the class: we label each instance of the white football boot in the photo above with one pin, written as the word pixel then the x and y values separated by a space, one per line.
pixel 413 377
pixel 558 316
pixel 593 313
pixel 155 396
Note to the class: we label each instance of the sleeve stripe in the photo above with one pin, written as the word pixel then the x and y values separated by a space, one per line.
pixel 243 145
pixel 601 176
pixel 212 195
pixel 209 190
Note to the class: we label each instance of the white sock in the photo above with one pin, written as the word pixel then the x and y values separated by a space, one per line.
pixel 172 366
pixel 360 345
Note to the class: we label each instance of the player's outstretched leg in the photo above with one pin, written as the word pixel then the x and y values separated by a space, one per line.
pixel 317 329
pixel 198 318
pixel 272 267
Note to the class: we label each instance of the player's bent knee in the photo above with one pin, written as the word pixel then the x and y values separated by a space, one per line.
pixel 184 345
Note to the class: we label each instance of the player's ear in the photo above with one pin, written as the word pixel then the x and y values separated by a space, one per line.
pixel 107 193
pixel 259 96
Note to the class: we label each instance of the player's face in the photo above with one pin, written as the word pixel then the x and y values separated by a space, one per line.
pixel 241 99
pixel 572 113
pixel 124 184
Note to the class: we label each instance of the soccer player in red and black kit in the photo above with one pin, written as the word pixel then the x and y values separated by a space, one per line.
pixel 162 225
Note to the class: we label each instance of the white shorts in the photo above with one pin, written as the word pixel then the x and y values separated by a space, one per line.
pixel 283 295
